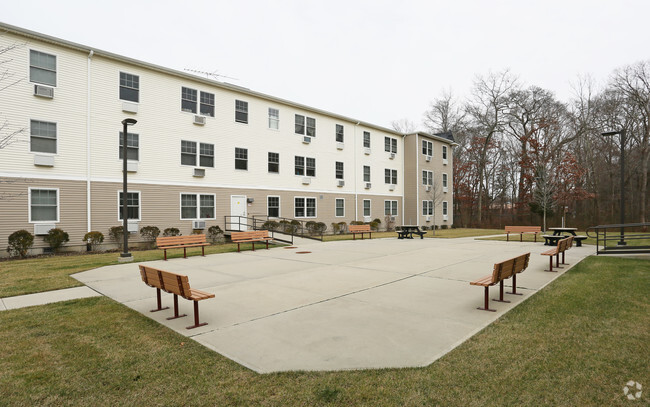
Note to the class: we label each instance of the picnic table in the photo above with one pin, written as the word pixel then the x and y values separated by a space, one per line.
pixel 407 232
pixel 558 234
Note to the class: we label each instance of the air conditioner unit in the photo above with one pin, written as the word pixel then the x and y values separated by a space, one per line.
pixel 41 229
pixel 44 91
pixel 391 187
pixel 392 156
pixel 428 188
pixel 392 219
pixel 44 160
pixel 200 120
pixel 445 189
pixel 198 224
pixel 306 180
pixel 131 166
pixel 339 146
pixel 366 150
pixel 366 219
pixel 129 107
pixel 428 218
pixel 341 183
pixel 306 139
pixel 368 185
pixel 444 161
pixel 132 226
pixel 199 172
pixel 428 158
pixel 444 217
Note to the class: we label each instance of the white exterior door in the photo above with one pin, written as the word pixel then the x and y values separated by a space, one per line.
pixel 238 208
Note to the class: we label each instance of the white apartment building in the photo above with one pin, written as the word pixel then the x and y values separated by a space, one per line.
pixel 201 150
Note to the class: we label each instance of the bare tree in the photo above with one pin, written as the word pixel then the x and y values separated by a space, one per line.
pixel 543 195
pixel 444 115
pixel 404 126
pixel 435 196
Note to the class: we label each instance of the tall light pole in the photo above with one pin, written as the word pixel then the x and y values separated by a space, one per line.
pixel 622 133
pixel 125 256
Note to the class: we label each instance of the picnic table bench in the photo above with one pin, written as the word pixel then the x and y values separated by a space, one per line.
pixel 176 284
pixel 521 230
pixel 251 236
pixel 177 242
pixel 360 229
pixel 559 231
pixel 407 232
pixel 562 246
pixel 502 271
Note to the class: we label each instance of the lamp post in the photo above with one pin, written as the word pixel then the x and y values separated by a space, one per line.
pixel 622 133
pixel 125 256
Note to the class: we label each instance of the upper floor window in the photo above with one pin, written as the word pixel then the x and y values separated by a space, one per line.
pixel 274 118
pixel 43 205
pixel 188 100
pixel 339 133
pixel 129 87
pixel 42 68
pixel 241 111
pixel 444 180
pixel 132 146
pixel 390 145
pixel 241 158
pixel 197 206
pixel 366 173
pixel 444 152
pixel 274 162
pixel 366 139
pixel 390 176
pixel 207 104
pixel 42 137
pixel 427 177
pixel 305 166
pixel 305 125
pixel 132 205
pixel 339 170
pixel 206 155
pixel 427 148
pixel 189 154
pixel 444 208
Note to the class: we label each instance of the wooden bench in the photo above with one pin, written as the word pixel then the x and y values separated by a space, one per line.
pixel 178 242
pixel 356 229
pixel 251 236
pixel 174 284
pixel 562 246
pixel 502 271
pixel 407 232
pixel 521 230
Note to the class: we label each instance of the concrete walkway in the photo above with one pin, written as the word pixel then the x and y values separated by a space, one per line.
pixel 21 301
pixel 344 305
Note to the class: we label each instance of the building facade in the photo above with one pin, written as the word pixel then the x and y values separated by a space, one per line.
pixel 201 150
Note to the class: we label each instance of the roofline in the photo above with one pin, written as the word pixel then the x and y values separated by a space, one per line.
pixel 432 136
pixel 79 47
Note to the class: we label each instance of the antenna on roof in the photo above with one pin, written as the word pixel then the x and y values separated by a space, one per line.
pixel 212 74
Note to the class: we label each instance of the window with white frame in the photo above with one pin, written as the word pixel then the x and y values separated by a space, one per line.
pixel 427 147
pixel 129 87
pixel 132 146
pixel 305 125
pixel 43 205
pixel 339 170
pixel 390 208
pixel 188 100
pixel 274 163
pixel 273 206
pixel 339 133
pixel 241 111
pixel 444 208
pixel 274 118
pixel 42 137
pixel 189 153
pixel 427 177
pixel 366 173
pixel 241 158
pixel 390 144
pixel 366 139
pixel 304 207
pixel 132 205
pixel 198 206
pixel 390 176
pixel 305 166
pixel 366 207
pixel 444 152
pixel 206 155
pixel 427 208
pixel 340 207
pixel 42 68
pixel 207 104
pixel 444 180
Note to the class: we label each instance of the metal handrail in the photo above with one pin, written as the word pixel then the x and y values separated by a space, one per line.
pixel 622 237
pixel 257 222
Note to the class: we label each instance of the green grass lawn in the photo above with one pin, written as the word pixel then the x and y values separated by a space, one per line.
pixel 575 343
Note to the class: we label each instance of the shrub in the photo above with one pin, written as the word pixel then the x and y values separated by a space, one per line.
pixel 94 239
pixel 444 227
pixel 116 234
pixel 356 222
pixel 320 228
pixel 56 238
pixel 310 225
pixel 390 224
pixel 377 220
pixel 270 225
pixel 215 234
pixel 335 228
pixel 19 243
pixel 172 232
pixel 150 233
pixel 343 227
pixel 374 225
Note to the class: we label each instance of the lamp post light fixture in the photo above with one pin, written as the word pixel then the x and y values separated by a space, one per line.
pixel 623 140
pixel 125 256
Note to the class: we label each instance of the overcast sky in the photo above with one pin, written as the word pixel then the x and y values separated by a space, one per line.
pixel 374 60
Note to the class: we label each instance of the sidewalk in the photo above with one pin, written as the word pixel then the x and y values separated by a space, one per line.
pixel 29 300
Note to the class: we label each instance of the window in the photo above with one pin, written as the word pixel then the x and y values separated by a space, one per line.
pixel 132 205
pixel 427 177
pixel 273 206
pixel 188 100
pixel 241 111
pixel 241 158
pixel 304 207
pixel 390 208
pixel 132 146
pixel 390 144
pixel 305 125
pixel 305 166
pixel 43 137
pixel 427 147
pixel 366 207
pixel 444 152
pixel 300 165
pixel 207 104
pixel 300 124
pixel 444 180
pixel 427 208
pixel 444 208
pixel 339 133
pixel 390 176
pixel 274 162
pixel 366 173
pixel 339 207
pixel 42 68
pixel 311 167
pixel 206 155
pixel 197 206
pixel 274 118
pixel 366 139
pixel 188 152
pixel 129 87
pixel 311 127
pixel 339 170
pixel 43 205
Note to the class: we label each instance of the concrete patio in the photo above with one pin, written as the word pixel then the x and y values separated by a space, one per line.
pixel 345 305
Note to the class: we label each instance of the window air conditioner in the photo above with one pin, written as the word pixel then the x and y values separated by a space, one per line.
pixel 199 172
pixel 340 146
pixel 200 120
pixel 445 189
pixel 44 91
pixel 428 188
pixel 428 218
pixel 131 166
pixel 366 150
pixel 132 226
pixel 366 219
pixel 444 217
pixel 198 224
pixel 392 219
pixel 41 229
pixel 306 139
pixel 306 180
pixel 368 185
pixel 391 187
pixel 341 183
pixel 44 160
pixel 129 107
pixel 428 158
pixel 444 161
pixel 392 156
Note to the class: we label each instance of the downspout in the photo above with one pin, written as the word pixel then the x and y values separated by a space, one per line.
pixel 89 224
pixel 417 182
pixel 356 195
